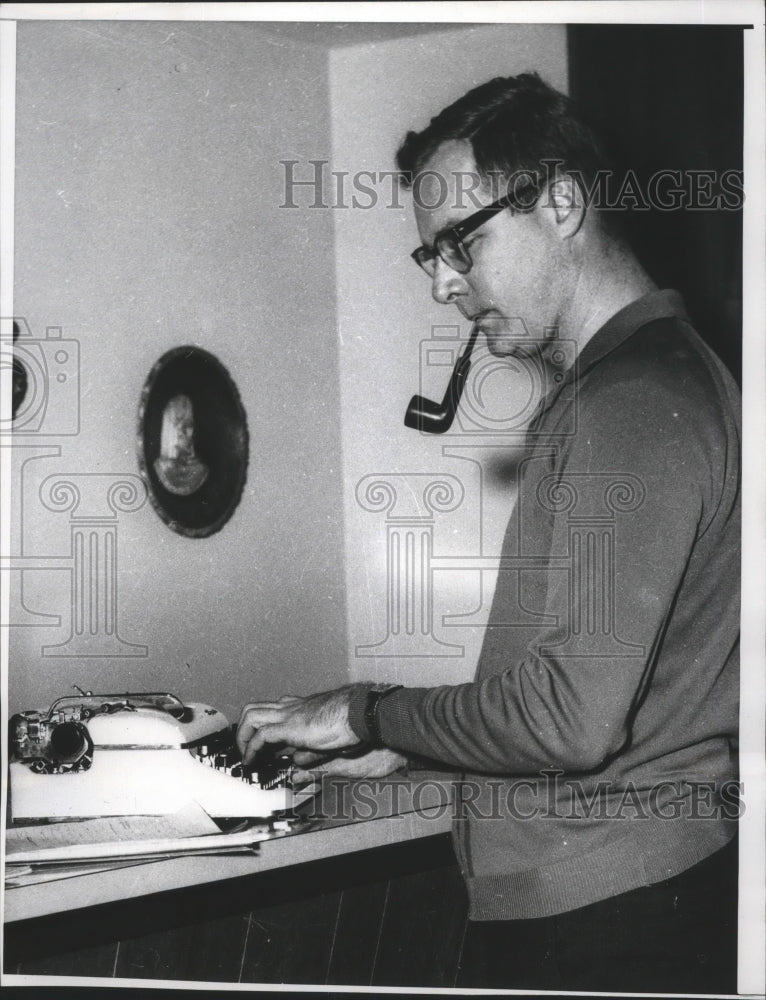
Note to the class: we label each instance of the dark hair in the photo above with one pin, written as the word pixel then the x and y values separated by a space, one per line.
pixel 515 125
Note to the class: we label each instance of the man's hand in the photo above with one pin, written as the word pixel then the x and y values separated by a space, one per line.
pixel 318 722
pixel 375 764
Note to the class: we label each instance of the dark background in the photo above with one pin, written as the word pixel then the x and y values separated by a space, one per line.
pixel 671 97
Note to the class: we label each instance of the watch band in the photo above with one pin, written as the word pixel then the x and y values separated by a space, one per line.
pixel 371 721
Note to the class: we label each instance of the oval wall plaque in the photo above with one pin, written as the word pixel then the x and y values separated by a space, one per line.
pixel 192 441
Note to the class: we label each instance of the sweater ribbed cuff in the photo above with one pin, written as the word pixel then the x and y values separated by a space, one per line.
pixel 356 712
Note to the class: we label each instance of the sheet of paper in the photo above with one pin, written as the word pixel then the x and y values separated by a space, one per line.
pixel 17 876
pixel 191 821
pixel 170 847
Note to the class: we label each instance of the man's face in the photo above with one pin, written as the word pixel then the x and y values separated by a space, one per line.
pixel 515 291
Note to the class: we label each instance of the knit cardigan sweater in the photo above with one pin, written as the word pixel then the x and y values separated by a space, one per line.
pixel 597 743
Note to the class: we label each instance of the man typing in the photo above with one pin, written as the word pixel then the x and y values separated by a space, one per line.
pixel 629 692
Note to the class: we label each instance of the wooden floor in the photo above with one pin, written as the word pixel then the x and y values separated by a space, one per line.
pixel 394 916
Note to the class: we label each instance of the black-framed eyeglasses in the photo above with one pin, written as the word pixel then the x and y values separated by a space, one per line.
pixel 448 244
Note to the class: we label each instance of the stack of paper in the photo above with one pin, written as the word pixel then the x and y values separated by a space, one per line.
pixel 58 850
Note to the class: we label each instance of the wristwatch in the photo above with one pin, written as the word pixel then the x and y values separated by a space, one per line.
pixel 371 721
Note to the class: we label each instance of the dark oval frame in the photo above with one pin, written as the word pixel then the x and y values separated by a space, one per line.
pixel 221 439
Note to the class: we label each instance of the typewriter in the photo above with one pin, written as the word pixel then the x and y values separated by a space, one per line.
pixel 94 755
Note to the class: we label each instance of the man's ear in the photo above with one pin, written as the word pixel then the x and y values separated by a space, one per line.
pixel 567 203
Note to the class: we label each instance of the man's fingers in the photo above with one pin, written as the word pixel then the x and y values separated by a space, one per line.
pixel 300 778
pixel 307 783
pixel 250 747
pixel 259 738
pixel 319 723
pixel 246 730
pixel 305 758
pixel 263 706
pixel 244 735
pixel 255 717
pixel 340 766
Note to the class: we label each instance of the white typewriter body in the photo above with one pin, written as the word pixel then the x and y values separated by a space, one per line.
pixel 124 755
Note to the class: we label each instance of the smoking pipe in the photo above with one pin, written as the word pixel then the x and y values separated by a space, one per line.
pixel 436 418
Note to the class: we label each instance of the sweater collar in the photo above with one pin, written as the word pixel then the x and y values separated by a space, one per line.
pixel 661 304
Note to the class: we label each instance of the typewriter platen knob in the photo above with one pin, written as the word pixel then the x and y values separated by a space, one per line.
pixel 69 743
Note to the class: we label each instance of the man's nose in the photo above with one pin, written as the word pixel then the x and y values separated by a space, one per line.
pixel 447 284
